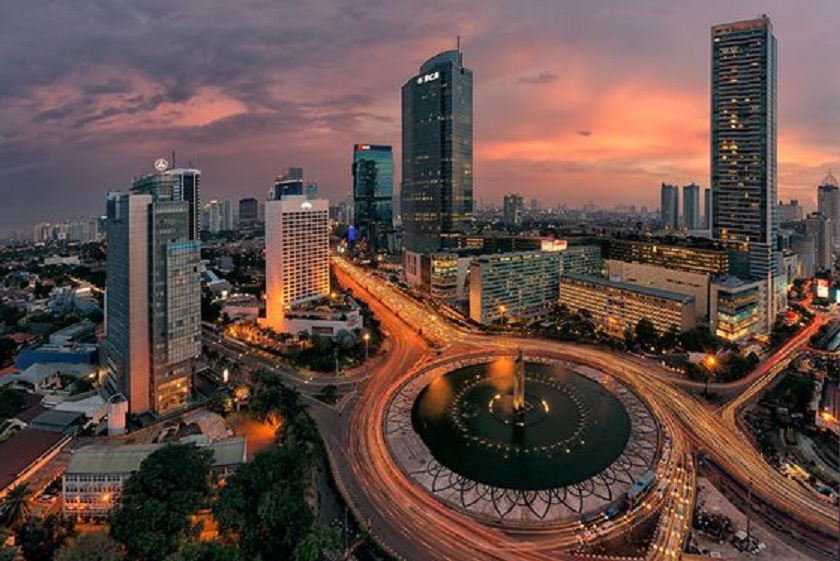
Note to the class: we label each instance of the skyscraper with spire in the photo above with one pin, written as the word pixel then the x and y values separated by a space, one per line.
pixel 828 203
pixel 437 153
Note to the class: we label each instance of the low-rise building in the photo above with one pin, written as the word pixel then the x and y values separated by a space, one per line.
pixel 617 306
pixel 325 316
pixel 95 476
pixel 514 287
pixel 672 280
pixel 736 308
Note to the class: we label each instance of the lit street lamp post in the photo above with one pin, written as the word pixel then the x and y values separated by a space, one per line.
pixel 503 311
pixel 366 337
pixel 710 361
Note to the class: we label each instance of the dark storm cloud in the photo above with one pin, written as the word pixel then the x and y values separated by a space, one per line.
pixel 92 90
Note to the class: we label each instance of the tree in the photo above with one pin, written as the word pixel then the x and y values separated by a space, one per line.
pixel 316 542
pixel 646 334
pixel 7 553
pixel 670 339
pixel 16 506
pixel 39 539
pixel 91 547
pixel 207 551
pixel 263 504
pixel 158 499
pixel 329 394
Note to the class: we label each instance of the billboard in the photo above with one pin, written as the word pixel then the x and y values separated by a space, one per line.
pixel 822 288
pixel 554 245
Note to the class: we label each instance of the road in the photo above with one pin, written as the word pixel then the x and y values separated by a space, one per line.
pixel 399 511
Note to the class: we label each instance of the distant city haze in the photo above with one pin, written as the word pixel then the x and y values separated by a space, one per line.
pixel 573 101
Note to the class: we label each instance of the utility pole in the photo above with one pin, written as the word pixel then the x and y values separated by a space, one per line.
pixel 749 508
pixel 346 536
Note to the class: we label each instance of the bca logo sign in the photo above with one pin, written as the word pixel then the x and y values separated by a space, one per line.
pixel 428 78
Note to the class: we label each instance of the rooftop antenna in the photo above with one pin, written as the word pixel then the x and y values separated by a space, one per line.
pixel 173 159
pixel 458 43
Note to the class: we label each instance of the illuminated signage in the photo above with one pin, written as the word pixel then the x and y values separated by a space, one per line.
pixel 363 147
pixel 306 205
pixel 554 245
pixel 428 77
pixel 822 288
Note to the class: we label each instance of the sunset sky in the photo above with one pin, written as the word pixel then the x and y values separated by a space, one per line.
pixel 574 101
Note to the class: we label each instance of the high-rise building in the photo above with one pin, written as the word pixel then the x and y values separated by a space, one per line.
pixel 177 184
pixel 286 187
pixel 312 190
pixel 828 203
pixel 153 301
pixel 217 216
pixel 670 207
pixel 743 140
pixel 707 209
pixel 373 192
pixel 297 258
pixel 249 212
pixel 513 208
pixel 821 228
pixel 437 144
pixel 691 206
pixel 743 150
pixel 294 173
pixel 790 212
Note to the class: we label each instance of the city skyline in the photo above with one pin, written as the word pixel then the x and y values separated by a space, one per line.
pixel 567 128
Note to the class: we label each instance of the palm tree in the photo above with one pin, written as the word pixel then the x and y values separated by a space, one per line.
pixel 16 505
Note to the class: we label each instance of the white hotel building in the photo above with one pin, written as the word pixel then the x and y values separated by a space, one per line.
pixel 297 254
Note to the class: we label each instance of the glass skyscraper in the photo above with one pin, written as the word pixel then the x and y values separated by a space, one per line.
pixel 743 136
pixel 691 206
pixel 153 300
pixel 437 144
pixel 669 207
pixel 373 191
pixel 178 184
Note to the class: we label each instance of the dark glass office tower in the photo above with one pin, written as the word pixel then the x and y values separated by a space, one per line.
pixel 179 184
pixel 743 134
pixel 437 144
pixel 373 191
pixel 248 212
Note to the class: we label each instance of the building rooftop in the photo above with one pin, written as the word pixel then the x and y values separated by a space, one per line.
pixel 628 287
pixel 829 180
pixel 21 450
pixel 127 458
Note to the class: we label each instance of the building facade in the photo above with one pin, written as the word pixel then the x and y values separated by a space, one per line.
pixel 735 308
pixel 691 207
pixel 437 153
pixel 373 195
pixel 669 207
pixel 153 301
pixel 249 212
pixel 297 255
pixel 821 229
pixel 791 211
pixel 743 143
pixel 617 307
pixel 176 184
pixel 706 259
pixel 828 203
pixel 514 287
pixel 662 278
pixel 513 209
pixel 94 479
pixel 217 216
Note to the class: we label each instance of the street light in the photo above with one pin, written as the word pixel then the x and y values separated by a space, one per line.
pixel 503 311
pixel 710 361
pixel 366 337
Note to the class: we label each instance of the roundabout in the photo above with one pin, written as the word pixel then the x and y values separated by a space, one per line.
pixel 531 441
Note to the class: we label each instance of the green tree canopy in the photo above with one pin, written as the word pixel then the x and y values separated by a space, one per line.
pixel 316 542
pixel 40 538
pixel 207 551
pixel 646 334
pixel 157 501
pixel 263 504
pixel 91 547
pixel 16 506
